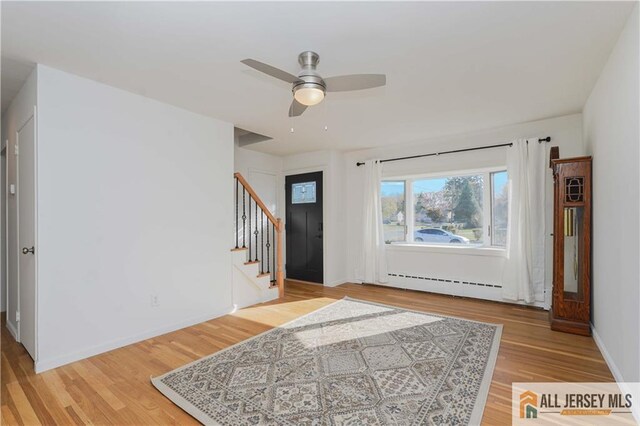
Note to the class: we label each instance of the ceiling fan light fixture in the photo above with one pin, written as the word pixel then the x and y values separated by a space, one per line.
pixel 309 94
pixel 309 87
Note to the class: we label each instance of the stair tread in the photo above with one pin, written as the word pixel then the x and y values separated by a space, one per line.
pixel 264 274
pixel 239 249
pixel 251 262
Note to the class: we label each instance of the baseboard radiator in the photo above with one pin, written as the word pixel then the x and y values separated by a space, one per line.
pixel 444 280
pixel 448 286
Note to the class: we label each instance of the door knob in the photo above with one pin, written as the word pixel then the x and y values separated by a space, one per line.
pixel 28 250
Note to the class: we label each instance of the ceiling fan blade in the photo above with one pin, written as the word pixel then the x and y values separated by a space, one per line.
pixel 269 70
pixel 296 109
pixel 343 83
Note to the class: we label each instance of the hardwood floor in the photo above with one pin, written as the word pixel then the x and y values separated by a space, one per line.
pixel 114 387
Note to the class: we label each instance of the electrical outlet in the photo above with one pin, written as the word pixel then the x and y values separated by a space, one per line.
pixel 155 302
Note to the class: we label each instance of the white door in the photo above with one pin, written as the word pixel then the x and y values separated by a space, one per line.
pixel 26 236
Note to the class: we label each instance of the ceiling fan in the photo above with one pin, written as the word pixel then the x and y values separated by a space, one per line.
pixel 309 87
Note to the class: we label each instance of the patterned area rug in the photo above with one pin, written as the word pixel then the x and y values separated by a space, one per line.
pixel 349 363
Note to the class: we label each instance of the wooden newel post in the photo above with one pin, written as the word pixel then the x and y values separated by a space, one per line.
pixel 280 259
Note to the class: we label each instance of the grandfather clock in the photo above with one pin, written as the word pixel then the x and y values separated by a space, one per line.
pixel 571 303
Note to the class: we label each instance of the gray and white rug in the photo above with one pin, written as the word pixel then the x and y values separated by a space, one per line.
pixel 349 363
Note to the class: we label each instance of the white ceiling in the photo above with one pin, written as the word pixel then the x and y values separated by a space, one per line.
pixel 451 67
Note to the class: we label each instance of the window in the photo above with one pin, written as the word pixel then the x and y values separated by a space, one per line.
pixel 393 211
pixel 447 210
pixel 303 193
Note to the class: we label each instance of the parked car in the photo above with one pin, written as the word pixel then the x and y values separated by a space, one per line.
pixel 434 235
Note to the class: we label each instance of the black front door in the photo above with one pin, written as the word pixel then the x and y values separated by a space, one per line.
pixel 304 227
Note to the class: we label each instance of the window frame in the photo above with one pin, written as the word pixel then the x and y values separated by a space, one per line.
pixel 492 194
pixel 487 214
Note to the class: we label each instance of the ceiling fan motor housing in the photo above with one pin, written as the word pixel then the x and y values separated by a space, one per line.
pixel 309 77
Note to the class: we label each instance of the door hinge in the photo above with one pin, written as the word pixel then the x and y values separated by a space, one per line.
pixel 17 316
pixel 15 149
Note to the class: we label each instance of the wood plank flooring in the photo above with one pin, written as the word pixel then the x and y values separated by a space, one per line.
pixel 114 387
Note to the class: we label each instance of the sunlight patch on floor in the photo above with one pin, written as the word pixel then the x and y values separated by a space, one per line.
pixel 277 314
pixel 334 333
pixel 367 320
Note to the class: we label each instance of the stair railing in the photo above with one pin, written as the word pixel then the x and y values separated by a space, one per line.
pixel 258 231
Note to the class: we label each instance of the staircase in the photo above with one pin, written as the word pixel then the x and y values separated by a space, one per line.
pixel 257 256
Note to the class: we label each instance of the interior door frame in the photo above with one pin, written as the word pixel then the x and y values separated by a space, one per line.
pixel 325 232
pixel 34 118
pixel 5 223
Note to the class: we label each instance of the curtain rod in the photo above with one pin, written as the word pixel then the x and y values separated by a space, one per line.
pixel 433 154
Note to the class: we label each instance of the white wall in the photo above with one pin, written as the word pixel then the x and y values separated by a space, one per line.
pixel 246 160
pixel 612 137
pixel 19 111
pixel 454 263
pixel 134 201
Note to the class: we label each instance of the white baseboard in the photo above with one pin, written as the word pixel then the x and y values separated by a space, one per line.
pixel 605 354
pixel 336 282
pixel 614 369
pixel 12 330
pixel 48 364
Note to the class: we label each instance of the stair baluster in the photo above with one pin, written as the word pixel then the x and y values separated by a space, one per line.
pixel 262 242
pixel 236 198
pixel 244 218
pixel 273 228
pixel 256 232
pixel 268 249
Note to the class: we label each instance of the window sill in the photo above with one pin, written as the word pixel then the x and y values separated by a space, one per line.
pixel 442 249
